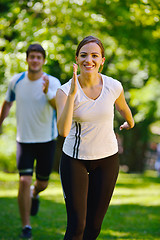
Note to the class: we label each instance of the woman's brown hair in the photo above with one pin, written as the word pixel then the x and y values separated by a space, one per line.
pixel 90 39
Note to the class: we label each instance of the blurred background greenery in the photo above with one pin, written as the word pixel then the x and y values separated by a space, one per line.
pixel 130 32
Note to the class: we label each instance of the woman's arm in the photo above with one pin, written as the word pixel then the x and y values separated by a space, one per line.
pixel 125 112
pixel 64 106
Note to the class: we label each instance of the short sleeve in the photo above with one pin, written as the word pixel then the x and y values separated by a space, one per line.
pixel 66 87
pixel 117 88
pixel 10 94
pixel 114 87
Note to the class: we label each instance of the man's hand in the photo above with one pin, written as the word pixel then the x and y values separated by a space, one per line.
pixel 45 83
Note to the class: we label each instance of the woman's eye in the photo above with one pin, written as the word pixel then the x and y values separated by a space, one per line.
pixel 83 55
pixel 94 56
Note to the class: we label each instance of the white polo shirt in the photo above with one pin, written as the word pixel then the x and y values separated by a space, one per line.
pixel 92 136
pixel 36 119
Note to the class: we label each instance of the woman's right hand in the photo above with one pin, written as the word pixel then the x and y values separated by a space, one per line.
pixel 73 88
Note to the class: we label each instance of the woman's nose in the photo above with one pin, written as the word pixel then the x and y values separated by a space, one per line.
pixel 88 58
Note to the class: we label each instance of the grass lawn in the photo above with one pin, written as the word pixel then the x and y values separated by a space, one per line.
pixel 134 212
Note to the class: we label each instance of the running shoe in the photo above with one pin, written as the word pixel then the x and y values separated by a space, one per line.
pixel 34 203
pixel 26 233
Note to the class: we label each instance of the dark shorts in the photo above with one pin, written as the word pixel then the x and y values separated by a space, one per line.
pixel 43 153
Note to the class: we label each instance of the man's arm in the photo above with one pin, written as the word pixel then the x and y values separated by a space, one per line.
pixel 52 102
pixel 50 95
pixel 5 110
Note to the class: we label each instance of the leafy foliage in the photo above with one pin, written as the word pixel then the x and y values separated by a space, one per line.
pixel 129 31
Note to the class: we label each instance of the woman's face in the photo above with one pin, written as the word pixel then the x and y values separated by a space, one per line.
pixel 90 58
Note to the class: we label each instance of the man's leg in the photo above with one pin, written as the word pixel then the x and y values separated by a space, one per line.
pixel 24 199
pixel 44 155
pixel 44 166
pixel 25 161
pixel 39 186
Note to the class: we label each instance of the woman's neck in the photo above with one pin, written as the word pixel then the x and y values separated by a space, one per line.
pixel 89 80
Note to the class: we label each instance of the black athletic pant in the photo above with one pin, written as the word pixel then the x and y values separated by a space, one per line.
pixel 88 187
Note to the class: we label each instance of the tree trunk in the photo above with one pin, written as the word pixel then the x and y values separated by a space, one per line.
pixel 135 143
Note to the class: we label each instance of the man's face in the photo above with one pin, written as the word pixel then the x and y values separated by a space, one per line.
pixel 35 61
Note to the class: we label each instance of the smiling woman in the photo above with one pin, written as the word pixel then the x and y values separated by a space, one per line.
pixel 100 50
pixel 89 164
pixel 89 60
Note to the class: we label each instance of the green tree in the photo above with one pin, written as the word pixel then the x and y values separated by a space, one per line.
pixel 130 33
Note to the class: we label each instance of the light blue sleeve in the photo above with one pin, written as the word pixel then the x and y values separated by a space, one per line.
pixel 10 94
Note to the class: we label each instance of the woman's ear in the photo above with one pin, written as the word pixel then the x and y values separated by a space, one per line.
pixel 76 59
pixel 102 63
pixel 103 60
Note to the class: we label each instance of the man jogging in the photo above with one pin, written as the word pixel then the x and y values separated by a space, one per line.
pixel 34 92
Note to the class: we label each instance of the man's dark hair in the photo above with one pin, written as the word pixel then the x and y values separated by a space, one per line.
pixel 36 48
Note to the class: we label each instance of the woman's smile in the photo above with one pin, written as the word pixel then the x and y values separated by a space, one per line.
pixel 90 57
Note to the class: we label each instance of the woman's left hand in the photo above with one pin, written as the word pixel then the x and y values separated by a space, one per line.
pixel 125 125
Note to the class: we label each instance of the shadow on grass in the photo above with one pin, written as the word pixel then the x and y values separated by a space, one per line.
pixel 131 222
pixel 121 221
pixel 137 181
pixel 49 223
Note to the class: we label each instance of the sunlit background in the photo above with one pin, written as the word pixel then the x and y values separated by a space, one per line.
pixel 130 32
